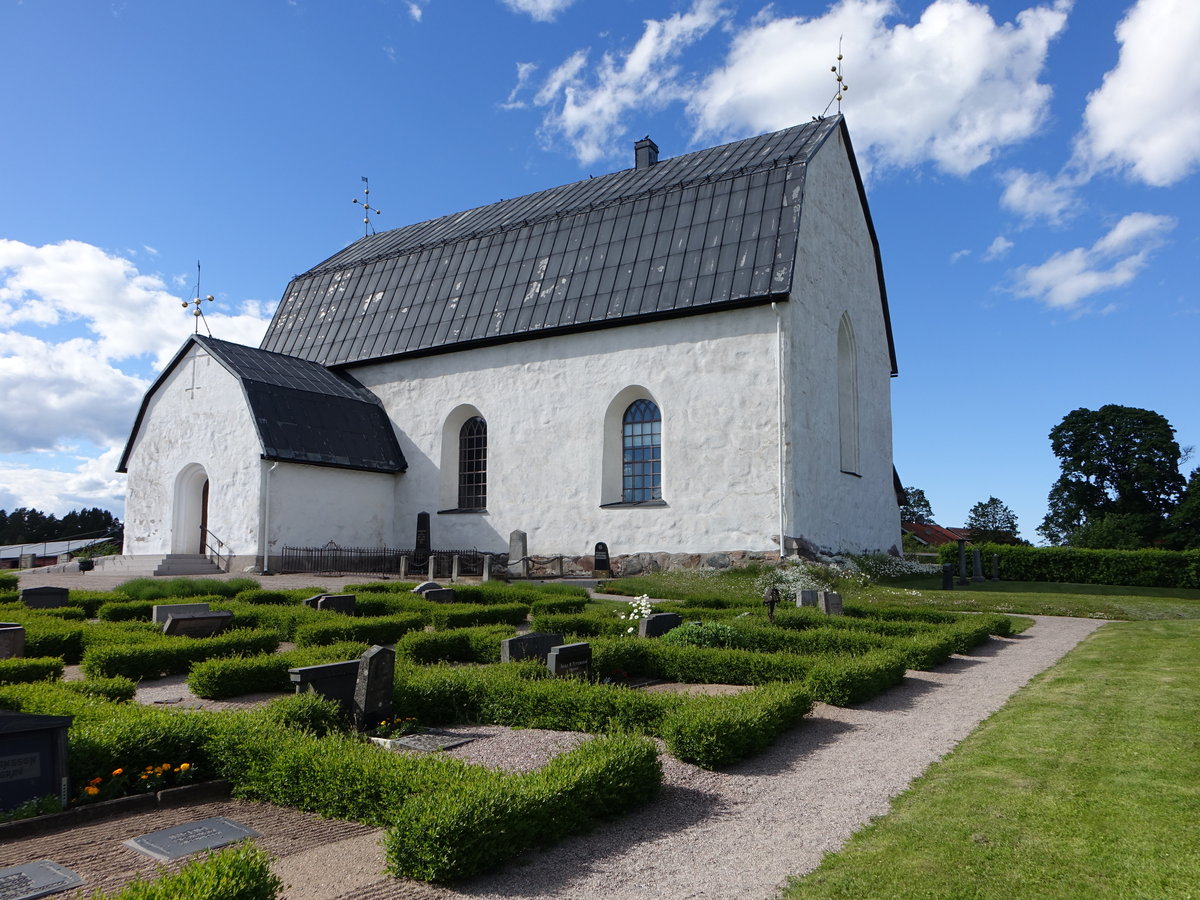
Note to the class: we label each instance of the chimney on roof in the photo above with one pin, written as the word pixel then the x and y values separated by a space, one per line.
pixel 645 153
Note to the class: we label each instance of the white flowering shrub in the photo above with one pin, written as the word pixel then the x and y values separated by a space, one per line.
pixel 641 609
pixel 882 565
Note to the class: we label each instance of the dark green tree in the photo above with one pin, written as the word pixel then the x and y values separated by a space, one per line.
pixel 1116 460
pixel 917 508
pixel 1183 525
pixel 992 522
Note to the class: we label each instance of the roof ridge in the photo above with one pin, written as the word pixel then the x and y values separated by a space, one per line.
pixel 618 200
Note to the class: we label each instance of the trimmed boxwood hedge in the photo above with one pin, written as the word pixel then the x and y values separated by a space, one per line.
pixel 718 731
pixel 467 645
pixel 375 630
pixel 597 624
pixel 465 615
pixel 126 610
pixel 173 655
pixel 241 872
pixel 30 668
pixel 232 676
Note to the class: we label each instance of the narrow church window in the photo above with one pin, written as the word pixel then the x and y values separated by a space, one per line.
pixel 472 464
pixel 847 371
pixel 641 453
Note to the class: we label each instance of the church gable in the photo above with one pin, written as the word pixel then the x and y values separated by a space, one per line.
pixel 303 413
pixel 697 233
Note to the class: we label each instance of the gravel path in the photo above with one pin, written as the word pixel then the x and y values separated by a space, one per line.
pixel 738 833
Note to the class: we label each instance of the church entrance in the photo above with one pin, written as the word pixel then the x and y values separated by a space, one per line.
pixel 189 525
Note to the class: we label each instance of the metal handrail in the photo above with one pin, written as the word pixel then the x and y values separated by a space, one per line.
pixel 224 562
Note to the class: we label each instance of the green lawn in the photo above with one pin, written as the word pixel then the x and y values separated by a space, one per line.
pixel 1085 785
pixel 1098 601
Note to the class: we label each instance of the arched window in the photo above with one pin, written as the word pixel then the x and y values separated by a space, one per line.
pixel 641 453
pixel 847 372
pixel 472 464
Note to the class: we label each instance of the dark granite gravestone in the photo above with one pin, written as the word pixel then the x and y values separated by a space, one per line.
pixel 806 598
pixel 184 840
pixel 426 586
pixel 947 577
pixel 339 603
pixel 602 567
pixel 198 625
pixel 830 602
pixel 36 879
pixel 441 595
pixel 976 565
pixel 658 624
pixel 424 545
pixel 12 640
pixel 533 645
pixel 311 602
pixel 333 681
pixel 33 757
pixel 430 742
pixel 374 685
pixel 570 661
pixel 44 597
pixel 166 610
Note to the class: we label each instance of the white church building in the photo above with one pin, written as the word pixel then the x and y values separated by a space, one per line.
pixel 691 356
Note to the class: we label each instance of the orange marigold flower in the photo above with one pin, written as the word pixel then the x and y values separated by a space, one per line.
pixel 91 791
pixel 118 771
pixel 184 767
pixel 95 781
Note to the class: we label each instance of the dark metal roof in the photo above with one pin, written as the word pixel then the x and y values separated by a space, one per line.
pixel 304 413
pixel 708 230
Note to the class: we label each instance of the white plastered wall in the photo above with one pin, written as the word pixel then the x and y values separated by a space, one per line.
pixel 714 377
pixel 836 276
pixel 312 505
pixel 196 417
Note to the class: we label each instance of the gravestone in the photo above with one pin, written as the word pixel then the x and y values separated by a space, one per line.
pixel 184 840
pixel 995 567
pixel 602 567
pixel 198 625
pixel 658 624
pixel 44 597
pixel 166 610
pixel 533 645
pixel 374 685
pixel 333 681
pixel 518 551
pixel 426 586
pixel 570 661
pixel 441 595
pixel 339 603
pixel 947 576
pixel 430 741
pixel 830 603
pixel 33 757
pixel 962 561
pixel 36 879
pixel 424 545
pixel 12 640
pixel 311 602
pixel 976 565
pixel 806 598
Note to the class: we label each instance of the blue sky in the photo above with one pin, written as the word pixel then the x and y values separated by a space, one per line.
pixel 1032 173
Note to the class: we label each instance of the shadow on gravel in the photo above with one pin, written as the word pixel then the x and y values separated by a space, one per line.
pixel 790 748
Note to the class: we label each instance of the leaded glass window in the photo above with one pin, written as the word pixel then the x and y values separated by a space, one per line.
pixel 641 453
pixel 472 464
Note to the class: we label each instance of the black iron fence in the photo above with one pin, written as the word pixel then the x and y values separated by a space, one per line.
pixel 334 560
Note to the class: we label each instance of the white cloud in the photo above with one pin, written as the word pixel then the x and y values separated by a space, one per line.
pixel 1066 279
pixel 415 12
pixel 92 482
pixel 959 254
pixel 1035 195
pixel 82 332
pixel 1145 117
pixel 588 107
pixel 998 248
pixel 525 70
pixel 539 10
pixel 956 87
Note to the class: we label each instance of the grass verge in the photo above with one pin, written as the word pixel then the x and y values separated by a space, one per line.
pixel 1086 784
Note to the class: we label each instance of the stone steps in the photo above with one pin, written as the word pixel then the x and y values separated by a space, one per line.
pixel 169 565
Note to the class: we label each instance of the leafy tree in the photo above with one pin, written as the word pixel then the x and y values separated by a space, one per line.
pixel 992 522
pixel 1117 460
pixel 28 526
pixel 917 509
pixel 1183 526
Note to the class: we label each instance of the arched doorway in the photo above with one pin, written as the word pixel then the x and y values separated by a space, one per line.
pixel 190 518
